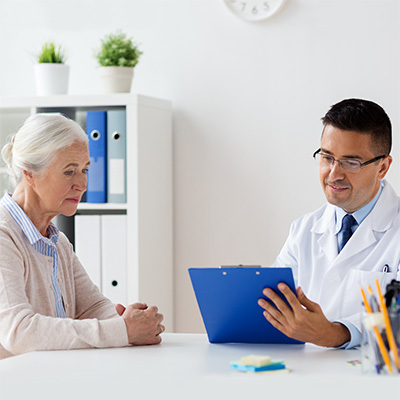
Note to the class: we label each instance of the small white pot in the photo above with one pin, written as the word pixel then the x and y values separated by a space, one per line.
pixel 51 78
pixel 116 79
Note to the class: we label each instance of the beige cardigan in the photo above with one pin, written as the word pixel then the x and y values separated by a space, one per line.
pixel 28 319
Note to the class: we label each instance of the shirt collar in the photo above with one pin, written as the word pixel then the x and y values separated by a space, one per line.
pixel 23 221
pixel 360 214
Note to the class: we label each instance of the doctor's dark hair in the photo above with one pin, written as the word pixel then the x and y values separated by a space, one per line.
pixel 365 117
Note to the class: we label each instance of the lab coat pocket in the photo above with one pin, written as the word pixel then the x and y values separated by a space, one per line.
pixel 357 279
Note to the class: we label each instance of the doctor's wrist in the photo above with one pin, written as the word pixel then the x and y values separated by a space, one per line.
pixel 339 335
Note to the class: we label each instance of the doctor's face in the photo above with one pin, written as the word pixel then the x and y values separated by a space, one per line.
pixel 350 190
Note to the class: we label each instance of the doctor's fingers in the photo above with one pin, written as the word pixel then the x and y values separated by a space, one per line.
pixel 306 302
pixel 271 313
pixel 278 324
pixel 277 300
pixel 291 298
pixel 276 307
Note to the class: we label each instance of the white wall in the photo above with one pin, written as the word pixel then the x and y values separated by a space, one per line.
pixel 248 98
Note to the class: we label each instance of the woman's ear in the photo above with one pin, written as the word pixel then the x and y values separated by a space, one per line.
pixel 28 176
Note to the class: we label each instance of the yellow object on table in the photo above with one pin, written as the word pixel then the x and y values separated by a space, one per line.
pixel 256 361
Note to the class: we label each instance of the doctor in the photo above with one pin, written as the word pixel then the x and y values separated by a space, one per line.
pixel 349 242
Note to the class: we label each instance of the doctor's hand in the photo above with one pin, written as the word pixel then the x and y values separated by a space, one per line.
pixel 143 323
pixel 303 320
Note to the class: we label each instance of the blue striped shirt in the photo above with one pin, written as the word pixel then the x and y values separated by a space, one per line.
pixel 43 245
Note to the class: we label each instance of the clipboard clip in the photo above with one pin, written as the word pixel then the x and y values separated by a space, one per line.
pixel 240 266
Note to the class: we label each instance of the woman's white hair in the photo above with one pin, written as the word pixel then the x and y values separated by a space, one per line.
pixel 34 146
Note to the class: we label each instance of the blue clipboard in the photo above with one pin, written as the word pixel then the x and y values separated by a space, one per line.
pixel 227 298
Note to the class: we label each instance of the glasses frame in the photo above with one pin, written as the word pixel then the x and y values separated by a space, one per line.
pixel 340 161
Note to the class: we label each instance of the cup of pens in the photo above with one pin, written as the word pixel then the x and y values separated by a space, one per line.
pixel 380 329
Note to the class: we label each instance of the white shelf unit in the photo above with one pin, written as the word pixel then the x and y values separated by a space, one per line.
pixel 149 206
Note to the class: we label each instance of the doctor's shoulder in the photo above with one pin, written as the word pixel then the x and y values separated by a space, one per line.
pixel 308 220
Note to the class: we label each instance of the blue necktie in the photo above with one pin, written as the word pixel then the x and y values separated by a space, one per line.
pixel 348 223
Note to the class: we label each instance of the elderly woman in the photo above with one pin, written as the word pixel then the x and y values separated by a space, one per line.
pixel 47 300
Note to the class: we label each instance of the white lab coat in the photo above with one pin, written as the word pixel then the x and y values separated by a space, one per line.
pixel 333 280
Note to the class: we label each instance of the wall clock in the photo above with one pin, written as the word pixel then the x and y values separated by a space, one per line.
pixel 254 10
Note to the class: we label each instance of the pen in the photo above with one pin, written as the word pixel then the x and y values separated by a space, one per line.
pixel 392 291
pixel 375 309
pixel 381 345
pixel 389 332
pixel 394 317
pixel 385 268
pixel 373 301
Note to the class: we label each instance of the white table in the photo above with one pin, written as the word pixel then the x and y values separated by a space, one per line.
pixel 186 366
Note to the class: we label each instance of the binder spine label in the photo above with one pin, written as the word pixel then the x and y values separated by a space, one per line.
pixel 117 171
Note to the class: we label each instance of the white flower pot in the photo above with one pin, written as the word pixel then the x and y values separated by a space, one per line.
pixel 51 78
pixel 116 79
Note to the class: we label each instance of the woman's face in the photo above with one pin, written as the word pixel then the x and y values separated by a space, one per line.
pixel 60 188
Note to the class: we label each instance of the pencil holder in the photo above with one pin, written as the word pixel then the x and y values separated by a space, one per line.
pixel 371 359
pixel 376 354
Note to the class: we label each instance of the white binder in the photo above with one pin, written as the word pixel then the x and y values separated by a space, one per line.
pixel 113 255
pixel 87 245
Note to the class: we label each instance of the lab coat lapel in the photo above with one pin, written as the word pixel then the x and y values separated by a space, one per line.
pixel 324 227
pixel 362 238
pixel 380 219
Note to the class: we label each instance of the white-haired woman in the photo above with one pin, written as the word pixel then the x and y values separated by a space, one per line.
pixel 47 300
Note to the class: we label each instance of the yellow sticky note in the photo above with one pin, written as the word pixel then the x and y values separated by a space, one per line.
pixel 256 361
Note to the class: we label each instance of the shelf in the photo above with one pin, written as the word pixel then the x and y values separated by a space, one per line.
pixel 148 208
pixel 102 206
pixel 81 101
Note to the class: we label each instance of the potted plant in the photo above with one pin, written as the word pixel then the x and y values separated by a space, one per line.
pixel 51 72
pixel 117 58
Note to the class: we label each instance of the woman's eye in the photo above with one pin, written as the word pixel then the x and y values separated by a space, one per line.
pixel 85 171
pixel 69 173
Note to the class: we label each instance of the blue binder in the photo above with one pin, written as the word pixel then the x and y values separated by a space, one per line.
pixel 227 298
pixel 96 129
pixel 116 156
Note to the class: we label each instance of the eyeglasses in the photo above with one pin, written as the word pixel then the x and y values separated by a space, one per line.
pixel 325 161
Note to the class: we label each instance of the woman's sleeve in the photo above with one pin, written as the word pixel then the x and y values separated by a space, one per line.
pixel 23 330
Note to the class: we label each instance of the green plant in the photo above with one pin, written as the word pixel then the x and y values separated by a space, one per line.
pixel 118 50
pixel 51 54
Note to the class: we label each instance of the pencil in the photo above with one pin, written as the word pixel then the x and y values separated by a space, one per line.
pixel 389 332
pixel 381 345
